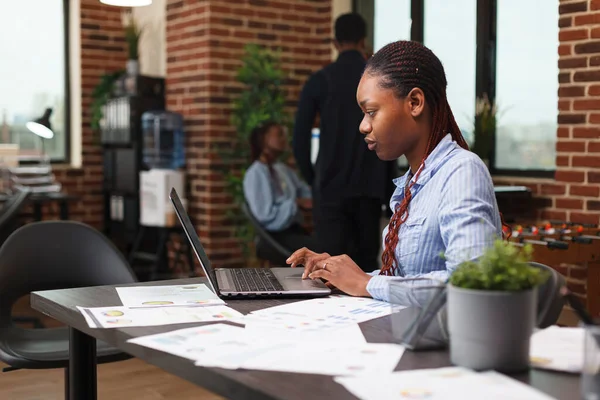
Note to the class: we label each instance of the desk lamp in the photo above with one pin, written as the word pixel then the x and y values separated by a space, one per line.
pixel 42 127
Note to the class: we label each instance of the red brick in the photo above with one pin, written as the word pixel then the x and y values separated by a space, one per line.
pixel 586 161
pixel 569 176
pixel 593 177
pixel 570 146
pixel 595 5
pixel 584 190
pixel 586 19
pixel 594 119
pixel 593 205
pixel 593 147
pixel 565 49
pixel 564 105
pixel 563 132
pixel 552 189
pixel 556 215
pixel 568 204
pixel 571 91
pixel 586 133
pixel 573 34
pixel 579 105
pixel 562 161
pixel 565 22
pixel 586 76
pixel 577 272
pixel 584 218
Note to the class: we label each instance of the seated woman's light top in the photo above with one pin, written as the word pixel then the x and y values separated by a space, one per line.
pixel 272 192
pixel 453 217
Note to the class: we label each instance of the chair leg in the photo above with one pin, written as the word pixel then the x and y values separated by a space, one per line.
pixel 67 383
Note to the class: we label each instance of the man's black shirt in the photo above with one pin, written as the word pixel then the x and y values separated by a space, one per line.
pixel 345 167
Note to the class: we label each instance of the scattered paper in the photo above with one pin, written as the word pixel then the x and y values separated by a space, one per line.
pixel 291 330
pixel 231 347
pixel 168 296
pixel 120 317
pixel 190 343
pixel 556 348
pixel 334 309
pixel 440 384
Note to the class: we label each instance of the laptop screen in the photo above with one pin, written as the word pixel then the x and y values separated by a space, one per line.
pixel 194 240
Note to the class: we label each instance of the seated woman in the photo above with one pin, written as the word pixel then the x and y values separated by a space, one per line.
pixel 274 192
pixel 445 209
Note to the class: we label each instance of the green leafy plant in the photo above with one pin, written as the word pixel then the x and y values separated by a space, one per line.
pixel 502 267
pixel 261 99
pixel 100 96
pixel 133 32
pixel 484 126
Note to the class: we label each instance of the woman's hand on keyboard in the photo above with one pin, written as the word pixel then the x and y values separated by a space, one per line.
pixel 308 258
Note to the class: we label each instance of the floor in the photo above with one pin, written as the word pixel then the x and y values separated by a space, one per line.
pixel 132 379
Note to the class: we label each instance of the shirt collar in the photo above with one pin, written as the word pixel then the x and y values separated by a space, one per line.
pixel 439 153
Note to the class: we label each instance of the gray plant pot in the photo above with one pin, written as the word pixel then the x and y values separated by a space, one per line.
pixel 491 329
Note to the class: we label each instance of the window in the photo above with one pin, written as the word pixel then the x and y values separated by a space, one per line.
pixel 493 48
pixel 526 84
pixel 458 60
pixel 34 74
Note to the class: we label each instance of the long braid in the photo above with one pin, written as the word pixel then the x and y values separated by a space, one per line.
pixel 402 66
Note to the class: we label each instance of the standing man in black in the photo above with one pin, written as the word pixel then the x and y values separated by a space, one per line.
pixel 348 181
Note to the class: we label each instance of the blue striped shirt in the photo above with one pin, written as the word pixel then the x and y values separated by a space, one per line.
pixel 453 212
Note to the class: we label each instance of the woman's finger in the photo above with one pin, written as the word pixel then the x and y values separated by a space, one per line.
pixel 314 262
pixel 320 273
pixel 298 257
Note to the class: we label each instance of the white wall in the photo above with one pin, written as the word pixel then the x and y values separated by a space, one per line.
pixel 152 48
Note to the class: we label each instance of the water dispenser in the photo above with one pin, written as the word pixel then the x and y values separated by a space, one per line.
pixel 163 140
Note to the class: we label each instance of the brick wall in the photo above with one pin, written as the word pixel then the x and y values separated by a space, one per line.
pixel 574 193
pixel 102 50
pixel 204 45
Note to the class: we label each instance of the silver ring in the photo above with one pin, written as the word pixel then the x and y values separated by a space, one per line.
pixel 324 265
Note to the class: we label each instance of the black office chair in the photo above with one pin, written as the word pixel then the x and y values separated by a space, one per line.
pixel 550 301
pixel 267 248
pixel 9 222
pixel 53 255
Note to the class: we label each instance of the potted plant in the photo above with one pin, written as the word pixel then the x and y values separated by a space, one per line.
pixel 484 126
pixel 132 37
pixel 492 309
pixel 260 97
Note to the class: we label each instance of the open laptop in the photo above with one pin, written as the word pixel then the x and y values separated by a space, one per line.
pixel 248 282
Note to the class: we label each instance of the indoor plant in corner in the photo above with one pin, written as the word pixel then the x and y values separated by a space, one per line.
pixel 132 36
pixel 492 305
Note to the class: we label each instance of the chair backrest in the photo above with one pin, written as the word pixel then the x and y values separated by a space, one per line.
pixel 550 301
pixel 57 255
pixel 9 214
pixel 262 232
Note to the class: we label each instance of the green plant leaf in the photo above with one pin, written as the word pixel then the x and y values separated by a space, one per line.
pixel 502 267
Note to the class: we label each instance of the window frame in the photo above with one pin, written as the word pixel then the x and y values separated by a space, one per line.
pixel 485 68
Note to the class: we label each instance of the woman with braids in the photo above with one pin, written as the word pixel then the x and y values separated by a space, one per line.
pixel 445 204
pixel 273 191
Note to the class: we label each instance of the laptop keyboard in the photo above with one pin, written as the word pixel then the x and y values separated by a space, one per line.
pixel 255 280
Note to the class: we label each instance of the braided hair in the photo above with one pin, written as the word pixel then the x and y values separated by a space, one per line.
pixel 402 66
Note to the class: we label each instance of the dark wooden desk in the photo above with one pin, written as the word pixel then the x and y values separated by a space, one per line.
pixel 246 384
